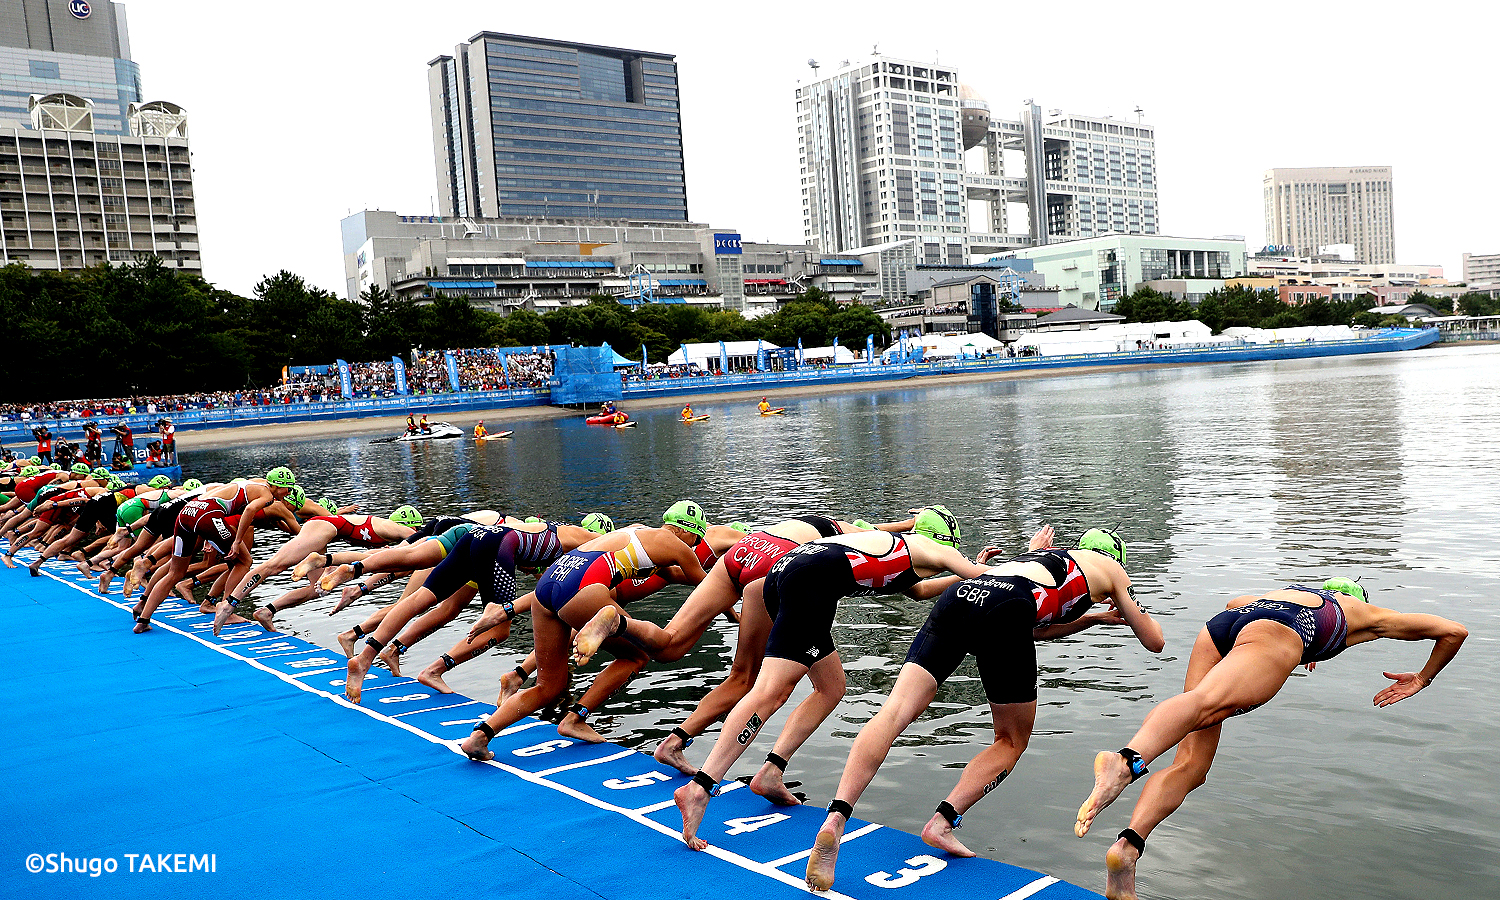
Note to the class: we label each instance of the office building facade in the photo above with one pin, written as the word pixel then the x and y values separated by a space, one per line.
pixel 527 127
pixel 882 146
pixel 1094 273
pixel 67 46
pixel 72 197
pixel 1482 268
pixel 1307 210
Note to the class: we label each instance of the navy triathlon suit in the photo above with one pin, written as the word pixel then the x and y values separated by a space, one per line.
pixel 436 525
pixel 803 590
pixel 164 517
pixel 1322 628
pixel 487 557
pixel 992 617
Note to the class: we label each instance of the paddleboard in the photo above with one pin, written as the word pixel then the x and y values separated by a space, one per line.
pixel 494 436
pixel 774 412
pixel 696 419
pixel 626 425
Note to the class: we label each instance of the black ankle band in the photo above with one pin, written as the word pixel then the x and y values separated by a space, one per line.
pixel 523 673
pixel 377 644
pixel 701 779
pixel 686 738
pixel 1137 765
pixel 1133 839
pixel 400 647
pixel 485 729
pixel 141 620
pixel 358 632
pixel 946 810
pixel 270 607
pixel 776 761
pixel 620 626
pixel 844 809
pixel 448 662
pixel 358 567
pixel 579 710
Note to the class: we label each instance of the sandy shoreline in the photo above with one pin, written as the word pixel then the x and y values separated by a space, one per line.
pixel 495 419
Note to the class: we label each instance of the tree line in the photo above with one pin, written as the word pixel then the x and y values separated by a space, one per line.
pixel 1243 307
pixel 144 328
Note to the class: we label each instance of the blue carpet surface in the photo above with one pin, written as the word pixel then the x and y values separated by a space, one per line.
pixel 176 751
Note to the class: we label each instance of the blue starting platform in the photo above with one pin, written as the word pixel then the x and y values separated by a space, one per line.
pixel 232 766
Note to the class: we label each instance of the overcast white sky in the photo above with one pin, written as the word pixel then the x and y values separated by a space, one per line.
pixel 303 111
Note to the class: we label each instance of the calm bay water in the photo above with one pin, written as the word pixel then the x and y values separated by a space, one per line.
pixel 1224 480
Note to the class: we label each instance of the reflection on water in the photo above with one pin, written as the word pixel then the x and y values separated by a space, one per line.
pixel 1224 479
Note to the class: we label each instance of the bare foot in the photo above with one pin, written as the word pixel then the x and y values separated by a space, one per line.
pixel 310 563
pixel 1120 863
pixel 263 617
pixel 476 747
pixel 670 753
pixel 354 682
pixel 938 833
pixel 222 612
pixel 139 608
pixel 348 596
pixel 598 629
pixel 35 568
pixel 392 658
pixel 336 576
pixel 134 577
pixel 432 676
pixel 1111 775
pixel 141 627
pixel 692 802
pixel 825 853
pixel 346 642
pixel 510 682
pixel 83 568
pixel 105 578
pixel 9 563
pixel 768 783
pixel 573 727
pixel 494 614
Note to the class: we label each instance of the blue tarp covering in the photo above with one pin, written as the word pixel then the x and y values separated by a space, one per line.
pixel 681 282
pixel 585 375
pixel 570 264
pixel 453 285
pixel 839 262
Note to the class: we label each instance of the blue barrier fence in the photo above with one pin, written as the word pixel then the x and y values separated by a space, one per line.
pixel 18 433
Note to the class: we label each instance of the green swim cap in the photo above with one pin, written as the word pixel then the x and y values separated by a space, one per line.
pixel 29 471
pixel 159 481
pixel 281 477
pixel 82 469
pixel 1106 542
pixel 598 523
pixel 115 483
pixel 192 484
pixel 939 524
pixel 861 523
pixel 532 520
pixel 688 516
pixel 740 526
pixel 329 504
pixel 1347 586
pixel 57 467
pixel 408 516
pixel 36 460
pixel 101 472
pixel 296 497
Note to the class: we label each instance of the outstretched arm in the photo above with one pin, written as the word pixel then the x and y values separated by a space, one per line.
pixel 1448 637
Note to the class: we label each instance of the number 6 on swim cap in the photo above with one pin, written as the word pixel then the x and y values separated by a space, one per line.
pixel 688 516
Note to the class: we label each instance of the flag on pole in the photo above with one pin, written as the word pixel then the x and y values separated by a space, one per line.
pixel 870 349
pixel 723 359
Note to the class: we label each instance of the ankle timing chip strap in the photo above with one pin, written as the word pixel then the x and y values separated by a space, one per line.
pixel 400 647
pixel 448 662
pixel 485 729
pixel 270 607
pixel 687 739
pixel 776 761
pixel 1137 765
pixel 620 626
pixel 378 645
pixel 521 671
pixel 1130 837
pixel 842 808
pixel 579 710
pixel 946 810
pixel 701 779
pixel 358 567
pixel 358 632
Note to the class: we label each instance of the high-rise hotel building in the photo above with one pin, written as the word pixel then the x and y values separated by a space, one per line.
pixel 528 127
pixel 88 173
pixel 882 144
pixel 1309 209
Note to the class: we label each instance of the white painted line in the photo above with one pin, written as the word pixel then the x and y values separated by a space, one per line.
pixel 1045 881
pixel 429 709
pixel 520 726
pixel 586 763
pixel 853 835
pixel 655 807
pixel 318 672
